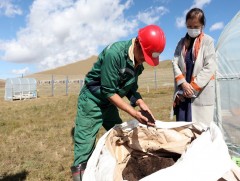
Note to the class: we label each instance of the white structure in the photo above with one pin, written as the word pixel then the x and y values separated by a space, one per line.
pixel 228 84
pixel 20 88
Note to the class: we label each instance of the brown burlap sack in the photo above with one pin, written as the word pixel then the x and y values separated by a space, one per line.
pixel 144 150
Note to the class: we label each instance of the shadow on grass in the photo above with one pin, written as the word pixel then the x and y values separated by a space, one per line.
pixel 15 177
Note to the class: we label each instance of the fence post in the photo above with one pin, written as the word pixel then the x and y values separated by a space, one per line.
pixel 52 85
pixel 12 93
pixel 66 85
pixel 155 77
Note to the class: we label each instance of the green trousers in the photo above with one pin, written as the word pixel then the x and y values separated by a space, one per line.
pixel 90 117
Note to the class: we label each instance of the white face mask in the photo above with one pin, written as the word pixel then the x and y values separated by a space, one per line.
pixel 193 32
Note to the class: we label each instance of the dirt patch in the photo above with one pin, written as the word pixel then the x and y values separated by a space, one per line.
pixel 140 166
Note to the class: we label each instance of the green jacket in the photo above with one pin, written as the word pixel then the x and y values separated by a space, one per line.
pixel 114 73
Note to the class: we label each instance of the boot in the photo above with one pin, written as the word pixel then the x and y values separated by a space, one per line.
pixel 78 171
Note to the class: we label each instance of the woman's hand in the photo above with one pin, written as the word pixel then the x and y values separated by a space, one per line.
pixel 187 90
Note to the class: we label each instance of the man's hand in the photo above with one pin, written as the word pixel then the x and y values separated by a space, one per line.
pixel 143 119
pixel 119 102
pixel 151 120
pixel 146 113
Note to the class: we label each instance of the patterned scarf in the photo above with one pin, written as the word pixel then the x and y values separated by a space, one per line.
pixel 196 46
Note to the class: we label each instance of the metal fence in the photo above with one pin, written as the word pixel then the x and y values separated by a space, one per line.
pixel 57 85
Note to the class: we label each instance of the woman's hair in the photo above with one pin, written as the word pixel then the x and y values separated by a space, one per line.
pixel 193 13
pixel 196 12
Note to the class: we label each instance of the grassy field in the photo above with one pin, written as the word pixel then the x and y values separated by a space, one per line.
pixel 36 142
pixel 35 134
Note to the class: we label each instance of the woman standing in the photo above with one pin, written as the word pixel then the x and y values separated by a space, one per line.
pixel 194 66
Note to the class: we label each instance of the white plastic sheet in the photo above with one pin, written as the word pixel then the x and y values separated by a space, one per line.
pixel 206 158
pixel 228 83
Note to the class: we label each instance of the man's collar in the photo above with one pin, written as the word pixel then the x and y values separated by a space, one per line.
pixel 130 51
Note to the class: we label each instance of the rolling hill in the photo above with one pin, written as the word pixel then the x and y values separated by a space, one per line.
pixel 80 68
pixel 76 70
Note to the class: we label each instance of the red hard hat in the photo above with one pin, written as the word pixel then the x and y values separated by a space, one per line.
pixel 152 41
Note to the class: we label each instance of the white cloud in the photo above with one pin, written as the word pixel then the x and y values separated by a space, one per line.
pixel 200 3
pixel 9 9
pixel 152 15
pixel 217 26
pixel 21 71
pixel 180 21
pixel 63 31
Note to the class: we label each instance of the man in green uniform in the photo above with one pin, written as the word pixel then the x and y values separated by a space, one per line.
pixel 113 76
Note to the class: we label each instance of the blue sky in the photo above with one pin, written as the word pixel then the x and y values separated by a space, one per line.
pixel 37 35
